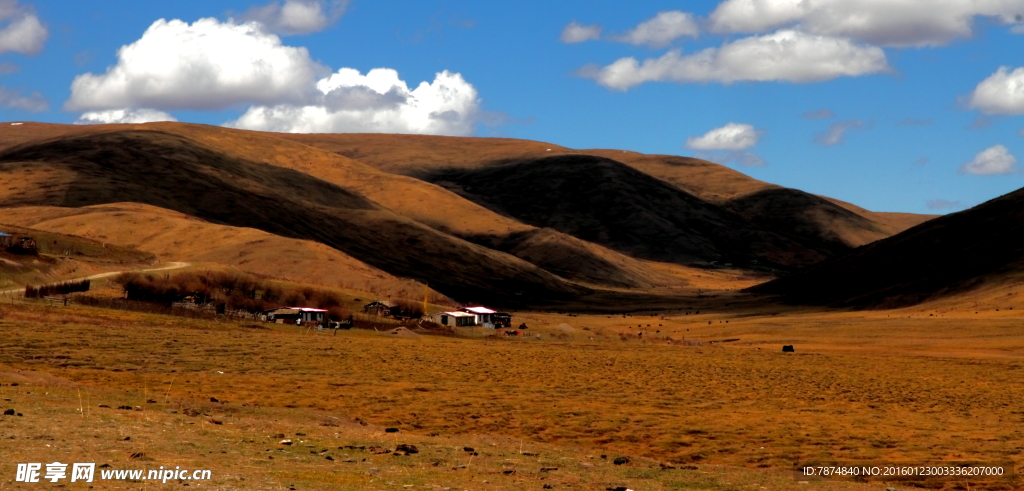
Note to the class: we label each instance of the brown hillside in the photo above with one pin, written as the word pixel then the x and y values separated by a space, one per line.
pixel 415 199
pixel 947 256
pixel 61 257
pixel 174 172
pixel 175 236
pixel 606 202
pixel 790 211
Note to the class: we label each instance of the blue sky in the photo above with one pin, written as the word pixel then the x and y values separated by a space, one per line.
pixel 894 105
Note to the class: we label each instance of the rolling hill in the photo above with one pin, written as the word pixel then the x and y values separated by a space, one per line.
pixel 174 172
pixel 944 257
pixel 485 219
pixel 832 224
pixel 606 202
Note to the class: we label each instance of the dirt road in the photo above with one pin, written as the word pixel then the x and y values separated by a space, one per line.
pixel 166 267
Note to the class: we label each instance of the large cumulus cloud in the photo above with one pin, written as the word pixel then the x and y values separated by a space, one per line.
pixel 204 65
pixel 377 102
pixel 881 22
pixel 786 55
pixel 213 65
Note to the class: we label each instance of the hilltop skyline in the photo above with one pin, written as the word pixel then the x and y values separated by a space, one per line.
pixel 913 108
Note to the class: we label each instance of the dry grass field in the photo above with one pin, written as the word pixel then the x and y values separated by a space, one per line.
pixel 726 416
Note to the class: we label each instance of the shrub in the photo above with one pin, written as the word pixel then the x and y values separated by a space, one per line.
pixel 57 289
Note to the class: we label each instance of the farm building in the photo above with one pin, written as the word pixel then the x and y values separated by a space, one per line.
pixel 382 308
pixel 474 316
pixel 489 318
pixel 456 319
pixel 17 244
pixel 296 315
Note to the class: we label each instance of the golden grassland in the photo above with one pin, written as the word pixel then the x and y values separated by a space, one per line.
pixel 727 416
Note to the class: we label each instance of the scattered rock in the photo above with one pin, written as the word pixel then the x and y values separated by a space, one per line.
pixel 279 435
pixel 191 412
pixel 548 469
pixel 150 401
pixel 129 408
pixel 213 421
pixel 468 449
pixel 286 441
pixel 378 450
pixel 214 399
pixel 104 405
pixel 788 349
pixel 391 430
pixel 509 472
pixel 9 412
pixel 300 434
pixel 329 457
pixel 127 439
pixel 406 449
pixel 137 455
pixel 621 460
pixel 529 454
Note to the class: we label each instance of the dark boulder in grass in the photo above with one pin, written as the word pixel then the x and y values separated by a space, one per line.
pixel 406 449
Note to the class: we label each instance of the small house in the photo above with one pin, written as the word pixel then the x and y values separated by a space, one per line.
pixel 382 308
pixel 18 244
pixel 456 319
pixel 296 315
pixel 489 318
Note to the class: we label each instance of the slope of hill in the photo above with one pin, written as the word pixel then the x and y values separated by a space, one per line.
pixel 61 256
pixel 412 198
pixel 174 172
pixel 840 225
pixel 606 202
pixel 175 236
pixel 947 256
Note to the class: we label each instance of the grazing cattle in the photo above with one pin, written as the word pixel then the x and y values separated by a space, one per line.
pixel 788 349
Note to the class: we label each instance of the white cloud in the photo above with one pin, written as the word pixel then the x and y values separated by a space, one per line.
pixel 662 29
pixel 8 68
pixel 204 65
pixel 882 22
pixel 118 116
pixel 378 102
pixel 34 102
pixel 732 136
pixel 297 16
pixel 836 132
pixel 578 33
pixel 1000 93
pixel 728 144
pixel 996 159
pixel 785 55
pixel 20 29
